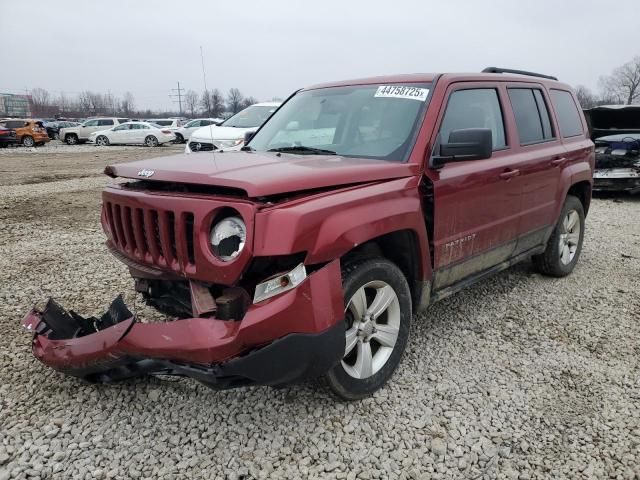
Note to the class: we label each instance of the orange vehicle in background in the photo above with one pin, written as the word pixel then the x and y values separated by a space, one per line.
pixel 29 132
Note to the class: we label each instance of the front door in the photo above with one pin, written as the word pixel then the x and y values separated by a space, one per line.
pixel 477 202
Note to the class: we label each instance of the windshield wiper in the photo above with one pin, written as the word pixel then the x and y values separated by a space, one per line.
pixel 302 149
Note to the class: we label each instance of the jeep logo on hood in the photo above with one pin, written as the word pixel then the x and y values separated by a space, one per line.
pixel 145 173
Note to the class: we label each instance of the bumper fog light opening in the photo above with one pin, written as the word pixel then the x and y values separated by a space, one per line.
pixel 280 284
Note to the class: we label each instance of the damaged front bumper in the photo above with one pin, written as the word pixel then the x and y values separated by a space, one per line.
pixel 617 179
pixel 294 336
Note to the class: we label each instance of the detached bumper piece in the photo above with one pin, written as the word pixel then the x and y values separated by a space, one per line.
pixel 295 336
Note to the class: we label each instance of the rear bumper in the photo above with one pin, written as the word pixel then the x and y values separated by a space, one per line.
pixel 617 180
pixel 291 337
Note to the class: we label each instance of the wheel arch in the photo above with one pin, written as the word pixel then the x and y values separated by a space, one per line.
pixel 582 190
pixel 400 247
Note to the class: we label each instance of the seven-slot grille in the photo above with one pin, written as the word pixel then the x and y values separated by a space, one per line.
pixel 157 237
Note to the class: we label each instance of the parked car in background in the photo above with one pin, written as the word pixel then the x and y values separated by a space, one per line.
pixel 171 123
pixel 53 128
pixel 133 133
pixel 7 137
pixel 230 134
pixel 29 132
pixel 184 133
pixel 80 134
pixel 615 129
pixel 289 261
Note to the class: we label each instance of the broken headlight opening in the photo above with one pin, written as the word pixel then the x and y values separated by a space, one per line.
pixel 228 238
pixel 280 284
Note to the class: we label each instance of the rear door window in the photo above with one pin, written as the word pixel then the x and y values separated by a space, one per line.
pixel 567 112
pixel 474 108
pixel 531 114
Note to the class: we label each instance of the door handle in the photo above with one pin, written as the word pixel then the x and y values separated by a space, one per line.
pixel 558 161
pixel 507 174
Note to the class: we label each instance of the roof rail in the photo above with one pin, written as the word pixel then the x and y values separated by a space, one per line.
pixel 517 72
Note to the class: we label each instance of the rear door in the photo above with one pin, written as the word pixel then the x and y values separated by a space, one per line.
pixel 477 203
pixel 539 156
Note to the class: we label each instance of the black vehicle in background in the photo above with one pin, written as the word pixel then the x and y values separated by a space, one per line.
pixel 53 128
pixel 7 137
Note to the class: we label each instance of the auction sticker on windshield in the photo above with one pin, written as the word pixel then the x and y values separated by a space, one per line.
pixel 399 91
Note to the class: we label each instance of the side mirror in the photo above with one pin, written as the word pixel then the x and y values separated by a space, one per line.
pixel 464 144
pixel 248 136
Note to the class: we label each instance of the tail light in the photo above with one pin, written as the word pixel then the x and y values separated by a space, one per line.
pixel 166 131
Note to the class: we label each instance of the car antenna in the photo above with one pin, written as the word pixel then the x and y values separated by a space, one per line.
pixel 206 92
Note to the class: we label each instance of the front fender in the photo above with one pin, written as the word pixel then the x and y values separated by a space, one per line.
pixel 329 226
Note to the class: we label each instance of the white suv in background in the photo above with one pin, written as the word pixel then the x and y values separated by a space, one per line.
pixel 184 133
pixel 80 134
pixel 230 135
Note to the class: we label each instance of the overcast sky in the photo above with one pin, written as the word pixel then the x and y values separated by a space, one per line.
pixel 270 48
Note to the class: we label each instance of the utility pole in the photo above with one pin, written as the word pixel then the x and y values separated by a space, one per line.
pixel 179 95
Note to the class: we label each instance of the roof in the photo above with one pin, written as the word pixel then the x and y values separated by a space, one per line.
pixel 430 77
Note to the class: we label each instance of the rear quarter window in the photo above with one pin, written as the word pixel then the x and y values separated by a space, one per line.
pixel 567 112
pixel 105 123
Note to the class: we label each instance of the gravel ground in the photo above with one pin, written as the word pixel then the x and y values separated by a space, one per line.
pixel 518 377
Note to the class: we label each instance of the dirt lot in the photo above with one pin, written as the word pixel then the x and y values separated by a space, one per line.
pixel 518 377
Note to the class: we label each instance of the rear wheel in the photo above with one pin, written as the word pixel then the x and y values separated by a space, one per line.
pixel 102 141
pixel 378 319
pixel 56 136
pixel 179 138
pixel 27 141
pixel 71 139
pixel 151 141
pixel 564 246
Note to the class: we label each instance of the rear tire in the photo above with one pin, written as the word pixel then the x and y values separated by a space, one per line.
pixel 377 321
pixel 151 141
pixel 27 141
pixel 71 139
pixel 179 138
pixel 564 247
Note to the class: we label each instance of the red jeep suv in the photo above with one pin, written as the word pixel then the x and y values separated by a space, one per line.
pixel 355 205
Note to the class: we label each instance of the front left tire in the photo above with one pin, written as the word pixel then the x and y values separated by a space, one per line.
pixel 377 324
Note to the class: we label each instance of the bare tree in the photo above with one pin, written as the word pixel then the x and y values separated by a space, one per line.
pixel 247 102
pixel 205 103
pixel 191 101
pixel 128 103
pixel 64 103
pixel 234 100
pixel 586 98
pixel 217 103
pixel 40 99
pixel 624 83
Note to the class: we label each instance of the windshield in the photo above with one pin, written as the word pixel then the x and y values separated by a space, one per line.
pixel 372 121
pixel 193 123
pixel 250 117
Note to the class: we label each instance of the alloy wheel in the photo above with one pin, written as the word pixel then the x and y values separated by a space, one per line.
pixel 570 237
pixel 373 324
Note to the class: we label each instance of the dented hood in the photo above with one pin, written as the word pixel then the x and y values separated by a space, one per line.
pixel 263 174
